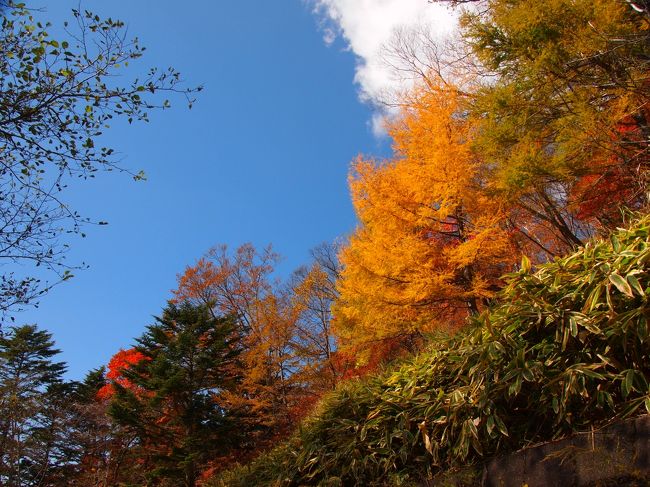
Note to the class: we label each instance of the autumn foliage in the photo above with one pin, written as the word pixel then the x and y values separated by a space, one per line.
pixel 530 143
pixel 285 332
pixel 431 243
pixel 617 177
pixel 121 361
pixel 563 121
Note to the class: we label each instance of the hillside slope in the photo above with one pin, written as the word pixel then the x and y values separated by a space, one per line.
pixel 565 347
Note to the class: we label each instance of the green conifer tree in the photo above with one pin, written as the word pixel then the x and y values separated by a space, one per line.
pixel 30 382
pixel 170 397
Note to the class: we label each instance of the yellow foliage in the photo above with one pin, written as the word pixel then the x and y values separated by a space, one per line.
pixel 565 115
pixel 431 244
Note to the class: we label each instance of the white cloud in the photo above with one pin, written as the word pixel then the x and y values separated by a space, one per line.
pixel 367 26
pixel 377 124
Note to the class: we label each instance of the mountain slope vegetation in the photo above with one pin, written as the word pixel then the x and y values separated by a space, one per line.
pixel 565 347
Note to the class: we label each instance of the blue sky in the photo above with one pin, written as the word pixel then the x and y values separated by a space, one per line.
pixel 262 158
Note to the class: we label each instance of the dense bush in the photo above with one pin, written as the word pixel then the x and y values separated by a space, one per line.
pixel 564 348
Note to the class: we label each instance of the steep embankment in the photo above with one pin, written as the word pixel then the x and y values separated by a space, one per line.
pixel 565 348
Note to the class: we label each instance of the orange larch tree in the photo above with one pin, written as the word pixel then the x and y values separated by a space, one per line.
pixel 312 291
pixel 431 243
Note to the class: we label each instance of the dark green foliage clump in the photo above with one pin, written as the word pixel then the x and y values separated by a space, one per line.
pixel 32 391
pixel 565 348
pixel 169 400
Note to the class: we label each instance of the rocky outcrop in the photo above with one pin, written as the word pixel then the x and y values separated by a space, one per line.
pixel 616 455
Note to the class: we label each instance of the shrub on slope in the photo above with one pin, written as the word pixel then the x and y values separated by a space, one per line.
pixel 565 348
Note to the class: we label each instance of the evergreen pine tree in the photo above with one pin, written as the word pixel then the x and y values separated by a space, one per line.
pixel 29 382
pixel 169 398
